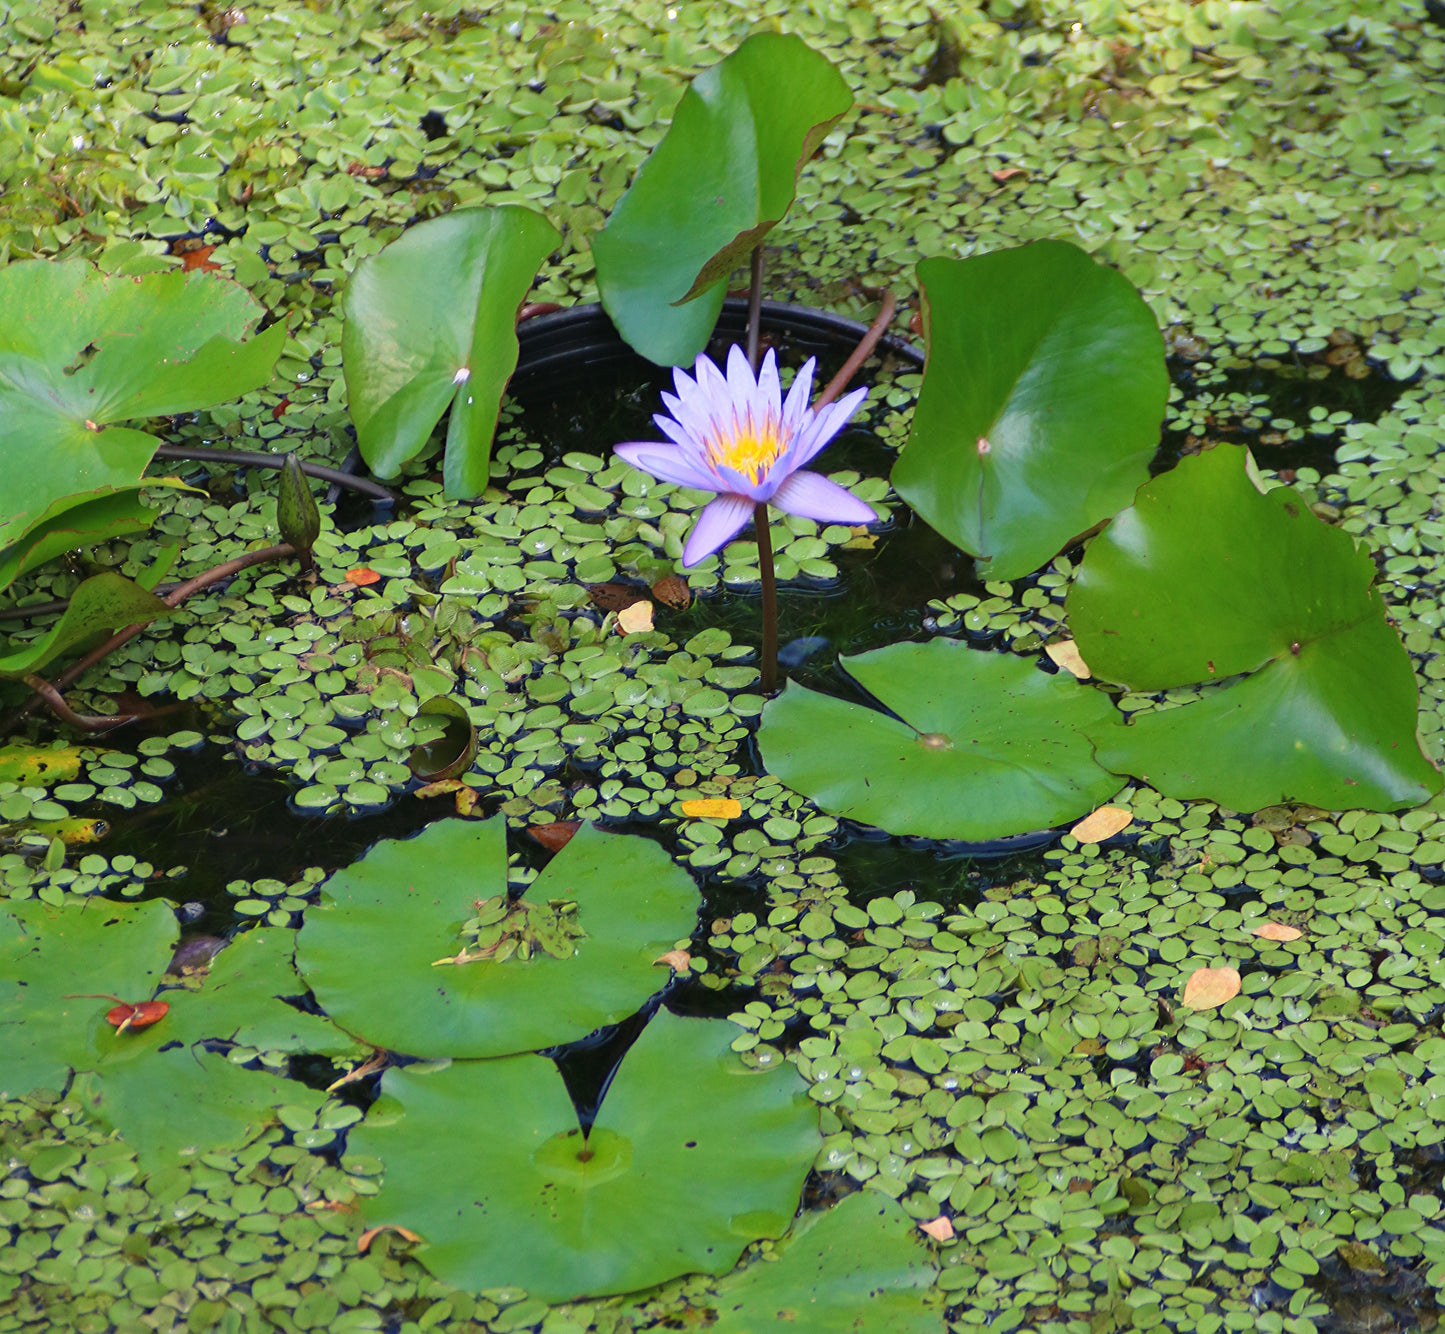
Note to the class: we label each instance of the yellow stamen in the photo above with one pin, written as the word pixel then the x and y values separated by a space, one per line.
pixel 746 448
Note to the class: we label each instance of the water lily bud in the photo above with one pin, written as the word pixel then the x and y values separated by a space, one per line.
pixel 296 513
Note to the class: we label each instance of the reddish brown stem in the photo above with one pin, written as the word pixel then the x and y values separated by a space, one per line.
pixel 172 599
pixel 86 722
pixel 770 598
pixel 861 353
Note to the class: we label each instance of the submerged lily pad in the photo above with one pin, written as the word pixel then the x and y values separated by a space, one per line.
pixel 859 1268
pixel 719 181
pixel 1041 402
pixel 983 744
pixel 101 603
pixel 692 1156
pixel 391 959
pixel 1206 577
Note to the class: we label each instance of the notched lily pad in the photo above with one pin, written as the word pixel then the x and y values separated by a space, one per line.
pixel 983 745
pixel 692 1155
pixel 1205 577
pixel 400 955
pixel 855 1269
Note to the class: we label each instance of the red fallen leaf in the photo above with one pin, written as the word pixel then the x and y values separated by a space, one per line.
pixel 614 597
pixel 362 170
pixel 361 576
pixel 915 324
pixel 555 836
pixel 199 258
pixel 123 1015
pixel 279 410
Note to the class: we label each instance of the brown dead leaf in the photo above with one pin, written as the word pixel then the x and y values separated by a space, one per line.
pixel 940 1228
pixel 614 597
pixel 1066 655
pixel 672 591
pixel 440 788
pixel 556 835
pixel 363 1242
pixel 635 619
pixel 1103 823
pixel 1007 173
pixel 199 258
pixel 677 960
pixel 713 808
pixel 1209 988
pixel 1278 931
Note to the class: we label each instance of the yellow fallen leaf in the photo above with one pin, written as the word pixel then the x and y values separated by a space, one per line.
pixel 1103 823
pixel 636 618
pixel 713 808
pixel 467 799
pixel 1066 655
pixel 940 1229
pixel 440 788
pixel 677 960
pixel 1209 988
pixel 363 1242
pixel 1278 931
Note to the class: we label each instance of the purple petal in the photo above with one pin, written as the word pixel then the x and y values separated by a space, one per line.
pixel 825 425
pixel 742 387
pixel 676 432
pixel 795 410
pixel 770 392
pixel 721 520
pixel 667 464
pixel 810 495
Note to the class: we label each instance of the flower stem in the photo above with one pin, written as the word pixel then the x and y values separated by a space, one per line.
pixel 770 598
pixel 755 309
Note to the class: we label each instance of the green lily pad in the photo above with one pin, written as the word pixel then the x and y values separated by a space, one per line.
pixel 387 956
pixel 102 603
pixel 431 323
pixel 80 350
pixel 983 745
pixel 1206 577
pixel 692 1156
pixel 859 1268
pixel 720 180
pixel 108 514
pixel 47 955
pixel 1041 403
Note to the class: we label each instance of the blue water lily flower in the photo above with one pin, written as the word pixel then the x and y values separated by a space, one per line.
pixel 734 435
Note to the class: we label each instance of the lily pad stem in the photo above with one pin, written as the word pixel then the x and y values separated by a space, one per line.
pixel 174 598
pixel 770 598
pixel 755 308
pixel 861 353
pixel 238 458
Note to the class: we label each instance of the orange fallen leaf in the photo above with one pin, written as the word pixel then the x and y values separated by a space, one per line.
pixel 1103 823
pixel 713 808
pixel 363 1242
pixel 1066 655
pixel 1209 988
pixel 1004 173
pixel 635 619
pixel 940 1228
pixel 677 960
pixel 1278 931
pixel 556 835
pixel 361 576
pixel 199 258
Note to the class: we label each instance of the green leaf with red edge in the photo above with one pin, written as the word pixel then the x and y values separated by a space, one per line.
pixel 431 325
pixel 103 603
pixel 80 350
pixel 1206 576
pixel 722 177
pixel 1041 404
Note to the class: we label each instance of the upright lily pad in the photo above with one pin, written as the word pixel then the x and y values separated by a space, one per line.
pixel 387 959
pixel 1041 402
pixel 80 350
pixel 692 1156
pixel 720 180
pixel 431 323
pixel 1206 577
pixel 983 745
pixel 859 1268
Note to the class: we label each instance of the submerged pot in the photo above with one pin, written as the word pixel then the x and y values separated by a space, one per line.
pixel 581 341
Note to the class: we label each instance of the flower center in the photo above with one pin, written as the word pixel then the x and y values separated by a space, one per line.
pixel 749 448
